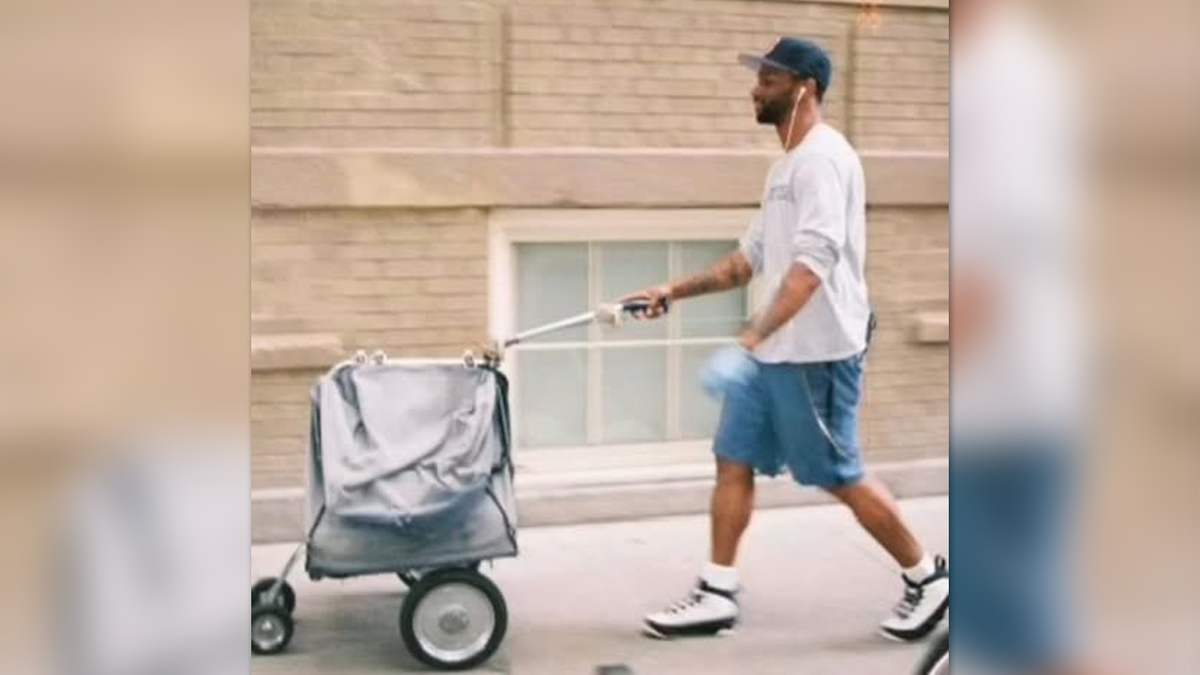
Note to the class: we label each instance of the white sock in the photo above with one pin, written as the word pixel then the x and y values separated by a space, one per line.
pixel 720 577
pixel 922 570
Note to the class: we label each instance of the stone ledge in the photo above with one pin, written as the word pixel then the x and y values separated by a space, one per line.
pixel 653 499
pixel 306 178
pixel 269 324
pixel 932 328
pixel 278 515
pixel 294 351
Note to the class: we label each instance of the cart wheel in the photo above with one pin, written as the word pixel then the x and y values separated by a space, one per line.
pixel 453 619
pixel 937 659
pixel 285 599
pixel 270 630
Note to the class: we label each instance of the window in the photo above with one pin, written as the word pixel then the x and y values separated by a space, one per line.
pixel 636 383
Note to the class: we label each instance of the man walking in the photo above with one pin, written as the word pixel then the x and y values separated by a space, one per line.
pixel 792 385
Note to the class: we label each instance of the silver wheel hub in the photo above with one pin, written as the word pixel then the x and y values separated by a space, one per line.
pixel 454 622
pixel 268 631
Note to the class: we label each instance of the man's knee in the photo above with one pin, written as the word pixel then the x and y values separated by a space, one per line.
pixel 850 495
pixel 865 500
pixel 733 474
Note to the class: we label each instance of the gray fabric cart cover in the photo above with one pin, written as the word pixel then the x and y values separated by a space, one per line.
pixel 409 468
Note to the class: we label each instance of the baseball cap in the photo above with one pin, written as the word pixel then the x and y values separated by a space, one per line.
pixel 797 56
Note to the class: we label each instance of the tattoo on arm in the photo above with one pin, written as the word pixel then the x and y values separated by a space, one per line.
pixel 731 272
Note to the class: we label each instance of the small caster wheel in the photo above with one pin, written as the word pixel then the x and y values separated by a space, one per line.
pixel 453 619
pixel 270 630
pixel 285 598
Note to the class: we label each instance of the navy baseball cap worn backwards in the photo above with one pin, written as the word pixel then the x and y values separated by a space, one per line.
pixel 799 57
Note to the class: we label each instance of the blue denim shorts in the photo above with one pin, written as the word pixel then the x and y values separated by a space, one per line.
pixel 769 423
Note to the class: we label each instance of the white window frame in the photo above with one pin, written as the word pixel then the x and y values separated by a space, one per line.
pixel 511 227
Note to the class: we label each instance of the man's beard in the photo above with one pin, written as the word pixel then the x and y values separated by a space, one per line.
pixel 773 112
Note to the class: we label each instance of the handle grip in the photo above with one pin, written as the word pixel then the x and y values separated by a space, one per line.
pixel 643 306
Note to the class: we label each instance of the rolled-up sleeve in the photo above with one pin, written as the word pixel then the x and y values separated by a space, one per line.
pixel 820 225
pixel 751 244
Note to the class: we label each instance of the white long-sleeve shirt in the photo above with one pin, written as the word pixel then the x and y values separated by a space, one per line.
pixel 814 213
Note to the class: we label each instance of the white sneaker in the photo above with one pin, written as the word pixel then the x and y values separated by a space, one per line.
pixel 705 611
pixel 923 607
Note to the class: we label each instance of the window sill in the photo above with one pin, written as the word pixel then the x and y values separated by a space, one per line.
pixel 594 466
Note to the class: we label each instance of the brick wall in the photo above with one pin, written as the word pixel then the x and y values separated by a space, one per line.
pixel 527 73
pixel 652 73
pixel 901 82
pixel 906 403
pixel 279 423
pixel 412 282
pixel 603 73
pixel 370 73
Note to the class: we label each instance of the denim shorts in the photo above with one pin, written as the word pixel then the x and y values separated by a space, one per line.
pixel 769 423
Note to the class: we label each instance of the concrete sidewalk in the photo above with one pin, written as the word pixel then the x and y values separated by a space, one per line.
pixel 814 588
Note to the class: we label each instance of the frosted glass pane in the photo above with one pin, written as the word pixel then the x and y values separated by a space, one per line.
pixel 629 267
pixel 716 315
pixel 553 398
pixel 699 413
pixel 552 284
pixel 635 394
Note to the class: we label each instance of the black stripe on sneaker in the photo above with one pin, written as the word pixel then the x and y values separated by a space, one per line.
pixel 729 595
pixel 925 628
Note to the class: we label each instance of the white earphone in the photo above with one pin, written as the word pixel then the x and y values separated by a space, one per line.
pixel 792 121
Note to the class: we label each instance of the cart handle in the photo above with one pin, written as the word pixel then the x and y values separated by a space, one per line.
pixel 609 314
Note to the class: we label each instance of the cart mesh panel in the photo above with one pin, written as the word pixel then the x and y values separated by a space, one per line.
pixel 409 468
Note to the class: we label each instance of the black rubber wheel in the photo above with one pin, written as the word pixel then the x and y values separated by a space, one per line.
pixel 270 630
pixel 453 619
pixel 285 599
pixel 937 658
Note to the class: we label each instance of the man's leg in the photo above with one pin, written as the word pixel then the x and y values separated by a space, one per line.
pixel 732 504
pixel 879 515
pixel 823 451
pixel 927 583
pixel 711 607
pixel 742 445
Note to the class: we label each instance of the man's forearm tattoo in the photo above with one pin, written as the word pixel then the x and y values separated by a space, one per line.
pixel 732 272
